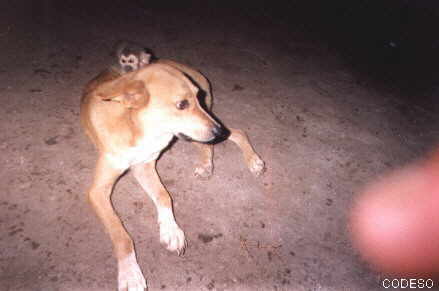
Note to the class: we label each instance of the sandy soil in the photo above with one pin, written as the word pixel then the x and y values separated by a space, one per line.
pixel 323 130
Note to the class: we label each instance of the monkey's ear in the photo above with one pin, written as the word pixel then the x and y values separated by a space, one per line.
pixel 132 94
pixel 145 58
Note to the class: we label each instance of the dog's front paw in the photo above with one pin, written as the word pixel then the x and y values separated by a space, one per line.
pixel 203 171
pixel 130 277
pixel 256 165
pixel 172 237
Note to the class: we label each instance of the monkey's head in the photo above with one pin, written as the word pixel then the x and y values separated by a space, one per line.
pixel 132 56
pixel 131 61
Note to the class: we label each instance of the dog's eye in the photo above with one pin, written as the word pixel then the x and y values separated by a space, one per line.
pixel 182 104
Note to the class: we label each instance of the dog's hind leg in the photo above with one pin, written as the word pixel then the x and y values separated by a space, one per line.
pixel 170 233
pixel 130 276
pixel 204 168
pixel 255 164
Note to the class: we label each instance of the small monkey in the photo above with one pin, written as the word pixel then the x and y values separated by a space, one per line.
pixel 131 57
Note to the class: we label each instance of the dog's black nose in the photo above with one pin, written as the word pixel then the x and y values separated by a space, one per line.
pixel 219 134
pixel 218 131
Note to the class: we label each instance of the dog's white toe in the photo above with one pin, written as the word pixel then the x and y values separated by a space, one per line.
pixel 257 166
pixel 172 237
pixel 203 172
pixel 130 277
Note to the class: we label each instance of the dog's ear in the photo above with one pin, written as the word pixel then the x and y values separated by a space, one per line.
pixel 132 94
pixel 135 94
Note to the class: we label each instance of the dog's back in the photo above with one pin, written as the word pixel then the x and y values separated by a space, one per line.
pixel 105 76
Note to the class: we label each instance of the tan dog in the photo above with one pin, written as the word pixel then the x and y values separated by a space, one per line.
pixel 131 119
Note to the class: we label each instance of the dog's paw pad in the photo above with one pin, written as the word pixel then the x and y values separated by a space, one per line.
pixel 172 237
pixel 130 277
pixel 257 166
pixel 203 172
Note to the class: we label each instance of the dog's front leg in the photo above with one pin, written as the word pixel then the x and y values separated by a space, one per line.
pixel 170 233
pixel 204 168
pixel 255 164
pixel 130 276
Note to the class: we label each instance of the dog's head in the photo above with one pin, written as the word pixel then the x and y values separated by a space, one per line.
pixel 163 100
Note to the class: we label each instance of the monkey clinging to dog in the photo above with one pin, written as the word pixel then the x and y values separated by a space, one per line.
pixel 131 57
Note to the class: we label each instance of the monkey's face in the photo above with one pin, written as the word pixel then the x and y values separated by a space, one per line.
pixel 129 63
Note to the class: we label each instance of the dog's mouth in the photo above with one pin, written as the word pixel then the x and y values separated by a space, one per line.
pixel 190 139
pixel 184 137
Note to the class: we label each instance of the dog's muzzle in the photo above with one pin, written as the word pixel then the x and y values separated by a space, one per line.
pixel 218 133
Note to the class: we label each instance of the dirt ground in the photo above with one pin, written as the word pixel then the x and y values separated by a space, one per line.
pixel 322 128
